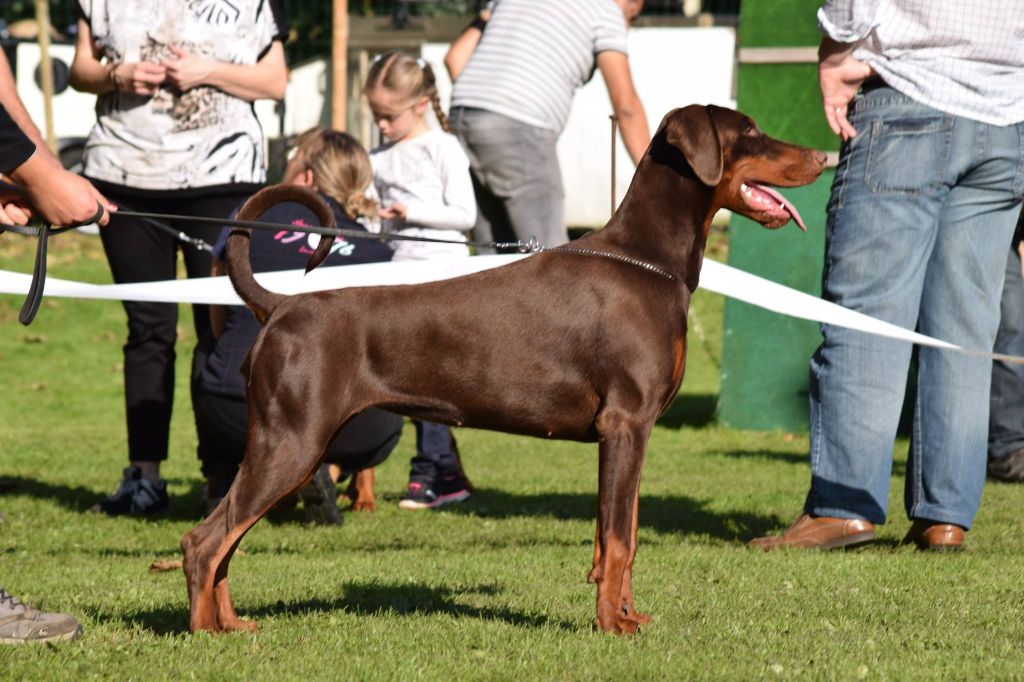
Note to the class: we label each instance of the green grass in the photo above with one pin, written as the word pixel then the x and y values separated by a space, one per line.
pixel 493 589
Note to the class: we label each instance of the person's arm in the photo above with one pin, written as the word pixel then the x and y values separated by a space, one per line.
pixel 839 77
pixel 844 24
pixel 266 79
pixel 61 197
pixel 90 74
pixel 626 102
pixel 462 49
pixel 11 101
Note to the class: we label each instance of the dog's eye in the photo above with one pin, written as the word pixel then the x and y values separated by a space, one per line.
pixel 751 131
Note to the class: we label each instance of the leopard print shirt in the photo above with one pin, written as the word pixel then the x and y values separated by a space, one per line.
pixel 178 140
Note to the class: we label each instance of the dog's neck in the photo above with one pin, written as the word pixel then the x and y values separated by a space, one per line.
pixel 664 218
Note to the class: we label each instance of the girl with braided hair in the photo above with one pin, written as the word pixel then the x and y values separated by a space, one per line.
pixel 422 178
pixel 421 174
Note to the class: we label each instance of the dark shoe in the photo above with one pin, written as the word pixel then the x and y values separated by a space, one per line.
pixel 445 489
pixel 819 532
pixel 1009 468
pixel 20 623
pixel 935 537
pixel 320 499
pixel 137 496
pixel 451 488
pixel 419 495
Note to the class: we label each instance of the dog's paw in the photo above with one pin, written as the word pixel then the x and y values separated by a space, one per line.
pixel 238 625
pixel 617 625
pixel 364 506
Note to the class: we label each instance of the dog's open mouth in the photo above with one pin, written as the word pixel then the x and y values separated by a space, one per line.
pixel 764 199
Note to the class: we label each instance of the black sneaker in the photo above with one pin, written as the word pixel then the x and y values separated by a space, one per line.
pixel 320 499
pixel 445 489
pixel 137 496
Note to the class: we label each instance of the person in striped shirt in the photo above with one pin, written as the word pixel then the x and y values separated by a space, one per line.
pixel 514 85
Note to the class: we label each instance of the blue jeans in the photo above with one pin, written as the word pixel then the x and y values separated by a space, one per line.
pixel 436 452
pixel 922 210
pixel 1006 421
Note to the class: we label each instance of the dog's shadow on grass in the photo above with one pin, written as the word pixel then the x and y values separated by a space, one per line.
pixel 666 514
pixel 380 598
pixel 690 410
pixel 373 598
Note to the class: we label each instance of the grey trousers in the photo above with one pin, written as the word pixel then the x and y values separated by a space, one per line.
pixel 516 178
pixel 1006 407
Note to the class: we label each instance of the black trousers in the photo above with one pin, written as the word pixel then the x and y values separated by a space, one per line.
pixel 222 424
pixel 139 252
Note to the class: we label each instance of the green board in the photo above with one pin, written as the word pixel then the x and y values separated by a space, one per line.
pixel 765 355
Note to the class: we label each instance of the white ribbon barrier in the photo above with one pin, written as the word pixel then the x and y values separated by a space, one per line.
pixel 716 277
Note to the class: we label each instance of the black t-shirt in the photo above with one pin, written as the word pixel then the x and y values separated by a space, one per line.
pixel 272 251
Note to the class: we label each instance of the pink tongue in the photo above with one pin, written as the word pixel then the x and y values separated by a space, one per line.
pixel 782 200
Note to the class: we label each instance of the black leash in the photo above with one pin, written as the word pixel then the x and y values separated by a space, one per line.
pixel 35 290
pixel 157 220
pixel 532 245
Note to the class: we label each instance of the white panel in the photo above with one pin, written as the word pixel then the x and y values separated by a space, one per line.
pixel 672 67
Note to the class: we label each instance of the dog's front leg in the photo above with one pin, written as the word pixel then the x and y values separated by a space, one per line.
pixel 621 459
pixel 595 569
pixel 627 577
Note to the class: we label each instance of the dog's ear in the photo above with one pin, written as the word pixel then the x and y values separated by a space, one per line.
pixel 691 130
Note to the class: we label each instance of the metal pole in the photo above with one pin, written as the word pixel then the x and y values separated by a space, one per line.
pixel 339 65
pixel 46 70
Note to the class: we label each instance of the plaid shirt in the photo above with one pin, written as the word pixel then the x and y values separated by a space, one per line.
pixel 964 57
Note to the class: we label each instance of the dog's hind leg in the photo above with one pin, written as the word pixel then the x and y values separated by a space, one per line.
pixel 360 491
pixel 257 488
pixel 623 440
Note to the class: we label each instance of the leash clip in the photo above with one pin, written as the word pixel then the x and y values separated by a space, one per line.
pixel 531 245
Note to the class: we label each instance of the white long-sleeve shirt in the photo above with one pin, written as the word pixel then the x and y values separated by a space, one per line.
pixel 429 174
pixel 964 57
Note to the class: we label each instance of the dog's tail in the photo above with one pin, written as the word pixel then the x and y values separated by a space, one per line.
pixel 262 301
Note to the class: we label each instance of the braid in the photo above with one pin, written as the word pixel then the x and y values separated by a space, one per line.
pixel 360 205
pixel 407 77
pixel 442 118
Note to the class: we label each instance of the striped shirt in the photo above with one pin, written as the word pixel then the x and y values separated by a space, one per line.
pixel 963 57
pixel 533 56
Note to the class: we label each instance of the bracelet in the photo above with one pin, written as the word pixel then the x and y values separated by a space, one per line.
pixel 478 23
pixel 111 77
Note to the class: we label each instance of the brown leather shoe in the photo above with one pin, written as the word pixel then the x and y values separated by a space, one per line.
pixel 935 537
pixel 819 532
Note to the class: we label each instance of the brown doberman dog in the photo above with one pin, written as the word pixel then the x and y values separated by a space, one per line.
pixel 585 342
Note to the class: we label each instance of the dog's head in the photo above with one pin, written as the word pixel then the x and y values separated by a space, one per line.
pixel 726 151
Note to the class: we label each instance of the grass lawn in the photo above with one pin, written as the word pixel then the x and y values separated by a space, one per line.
pixel 492 589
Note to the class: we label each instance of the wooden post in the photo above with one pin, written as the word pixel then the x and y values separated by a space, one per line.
pixel 46 70
pixel 615 120
pixel 339 65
